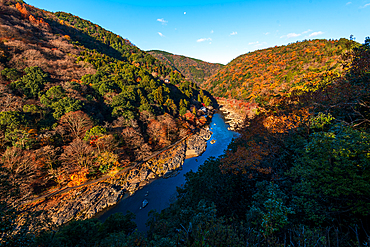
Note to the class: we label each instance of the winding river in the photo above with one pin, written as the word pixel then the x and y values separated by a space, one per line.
pixel 161 192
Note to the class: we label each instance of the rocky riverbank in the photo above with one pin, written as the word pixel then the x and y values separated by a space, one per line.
pixel 235 120
pixel 236 112
pixel 85 202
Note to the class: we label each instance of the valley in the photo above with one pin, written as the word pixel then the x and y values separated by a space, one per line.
pixel 270 149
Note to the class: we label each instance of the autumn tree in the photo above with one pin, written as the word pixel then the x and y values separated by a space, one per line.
pixel 135 141
pixel 21 169
pixel 170 124
pixel 77 155
pixel 75 123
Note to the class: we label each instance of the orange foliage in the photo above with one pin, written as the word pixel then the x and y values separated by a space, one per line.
pixel 276 72
pixel 22 9
pixel 78 178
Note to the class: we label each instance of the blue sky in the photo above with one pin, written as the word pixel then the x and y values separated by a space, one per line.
pixel 220 30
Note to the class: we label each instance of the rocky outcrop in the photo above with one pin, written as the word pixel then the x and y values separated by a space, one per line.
pixel 87 201
pixel 235 120
pixel 237 112
pixel 197 144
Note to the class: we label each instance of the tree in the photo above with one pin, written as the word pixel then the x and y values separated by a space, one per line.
pixel 32 82
pixel 333 172
pixel 169 122
pixel 182 107
pixel 21 168
pixel 135 141
pixel 77 153
pixel 75 123
pixel 157 133
pixel 64 106
pixel 11 74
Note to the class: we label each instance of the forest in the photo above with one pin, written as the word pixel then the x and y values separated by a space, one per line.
pixel 77 101
pixel 193 69
pixel 262 75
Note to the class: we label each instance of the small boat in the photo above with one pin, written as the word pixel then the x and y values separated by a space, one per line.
pixel 213 141
pixel 145 202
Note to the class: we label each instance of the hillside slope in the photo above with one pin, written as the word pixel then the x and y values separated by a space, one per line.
pixel 193 69
pixel 78 100
pixel 278 71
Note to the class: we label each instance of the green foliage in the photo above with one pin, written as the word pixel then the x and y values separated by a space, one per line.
pixel 119 222
pixel 106 160
pixel 269 213
pixel 12 120
pixel 91 232
pixel 64 106
pixel 321 120
pixel 333 171
pixel 32 83
pixel 95 132
pixel 195 70
pixel 55 93
pixel 11 74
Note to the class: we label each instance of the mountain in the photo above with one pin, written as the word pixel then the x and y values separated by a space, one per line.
pixel 264 74
pixel 193 69
pixel 78 100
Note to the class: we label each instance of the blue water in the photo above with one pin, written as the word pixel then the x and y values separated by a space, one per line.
pixel 161 192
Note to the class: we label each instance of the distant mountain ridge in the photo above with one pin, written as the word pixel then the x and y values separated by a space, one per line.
pixel 193 69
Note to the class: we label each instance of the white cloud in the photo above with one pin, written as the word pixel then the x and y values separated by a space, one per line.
pixel 234 33
pixel 212 31
pixel 204 39
pixel 366 5
pixel 160 34
pixel 162 21
pixel 260 44
pixel 315 34
pixel 348 3
pixel 266 33
pixel 253 43
pixel 293 35
pixel 309 30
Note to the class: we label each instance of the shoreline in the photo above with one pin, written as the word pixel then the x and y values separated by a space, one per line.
pixel 93 199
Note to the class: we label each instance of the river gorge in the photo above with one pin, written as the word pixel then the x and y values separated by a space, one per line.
pixel 160 192
pixel 152 181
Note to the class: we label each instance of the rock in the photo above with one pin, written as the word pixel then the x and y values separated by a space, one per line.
pixel 84 202
pixel 151 175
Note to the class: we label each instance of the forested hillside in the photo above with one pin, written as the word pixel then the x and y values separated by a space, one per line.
pixel 264 74
pixel 193 69
pixel 77 101
pixel 298 175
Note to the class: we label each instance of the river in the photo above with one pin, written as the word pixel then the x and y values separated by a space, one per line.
pixel 161 192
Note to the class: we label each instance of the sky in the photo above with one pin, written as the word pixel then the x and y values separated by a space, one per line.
pixel 220 30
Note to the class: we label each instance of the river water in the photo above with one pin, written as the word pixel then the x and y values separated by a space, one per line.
pixel 161 192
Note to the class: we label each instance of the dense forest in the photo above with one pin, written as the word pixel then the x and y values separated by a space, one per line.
pixel 193 69
pixel 77 101
pixel 298 175
pixel 262 75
